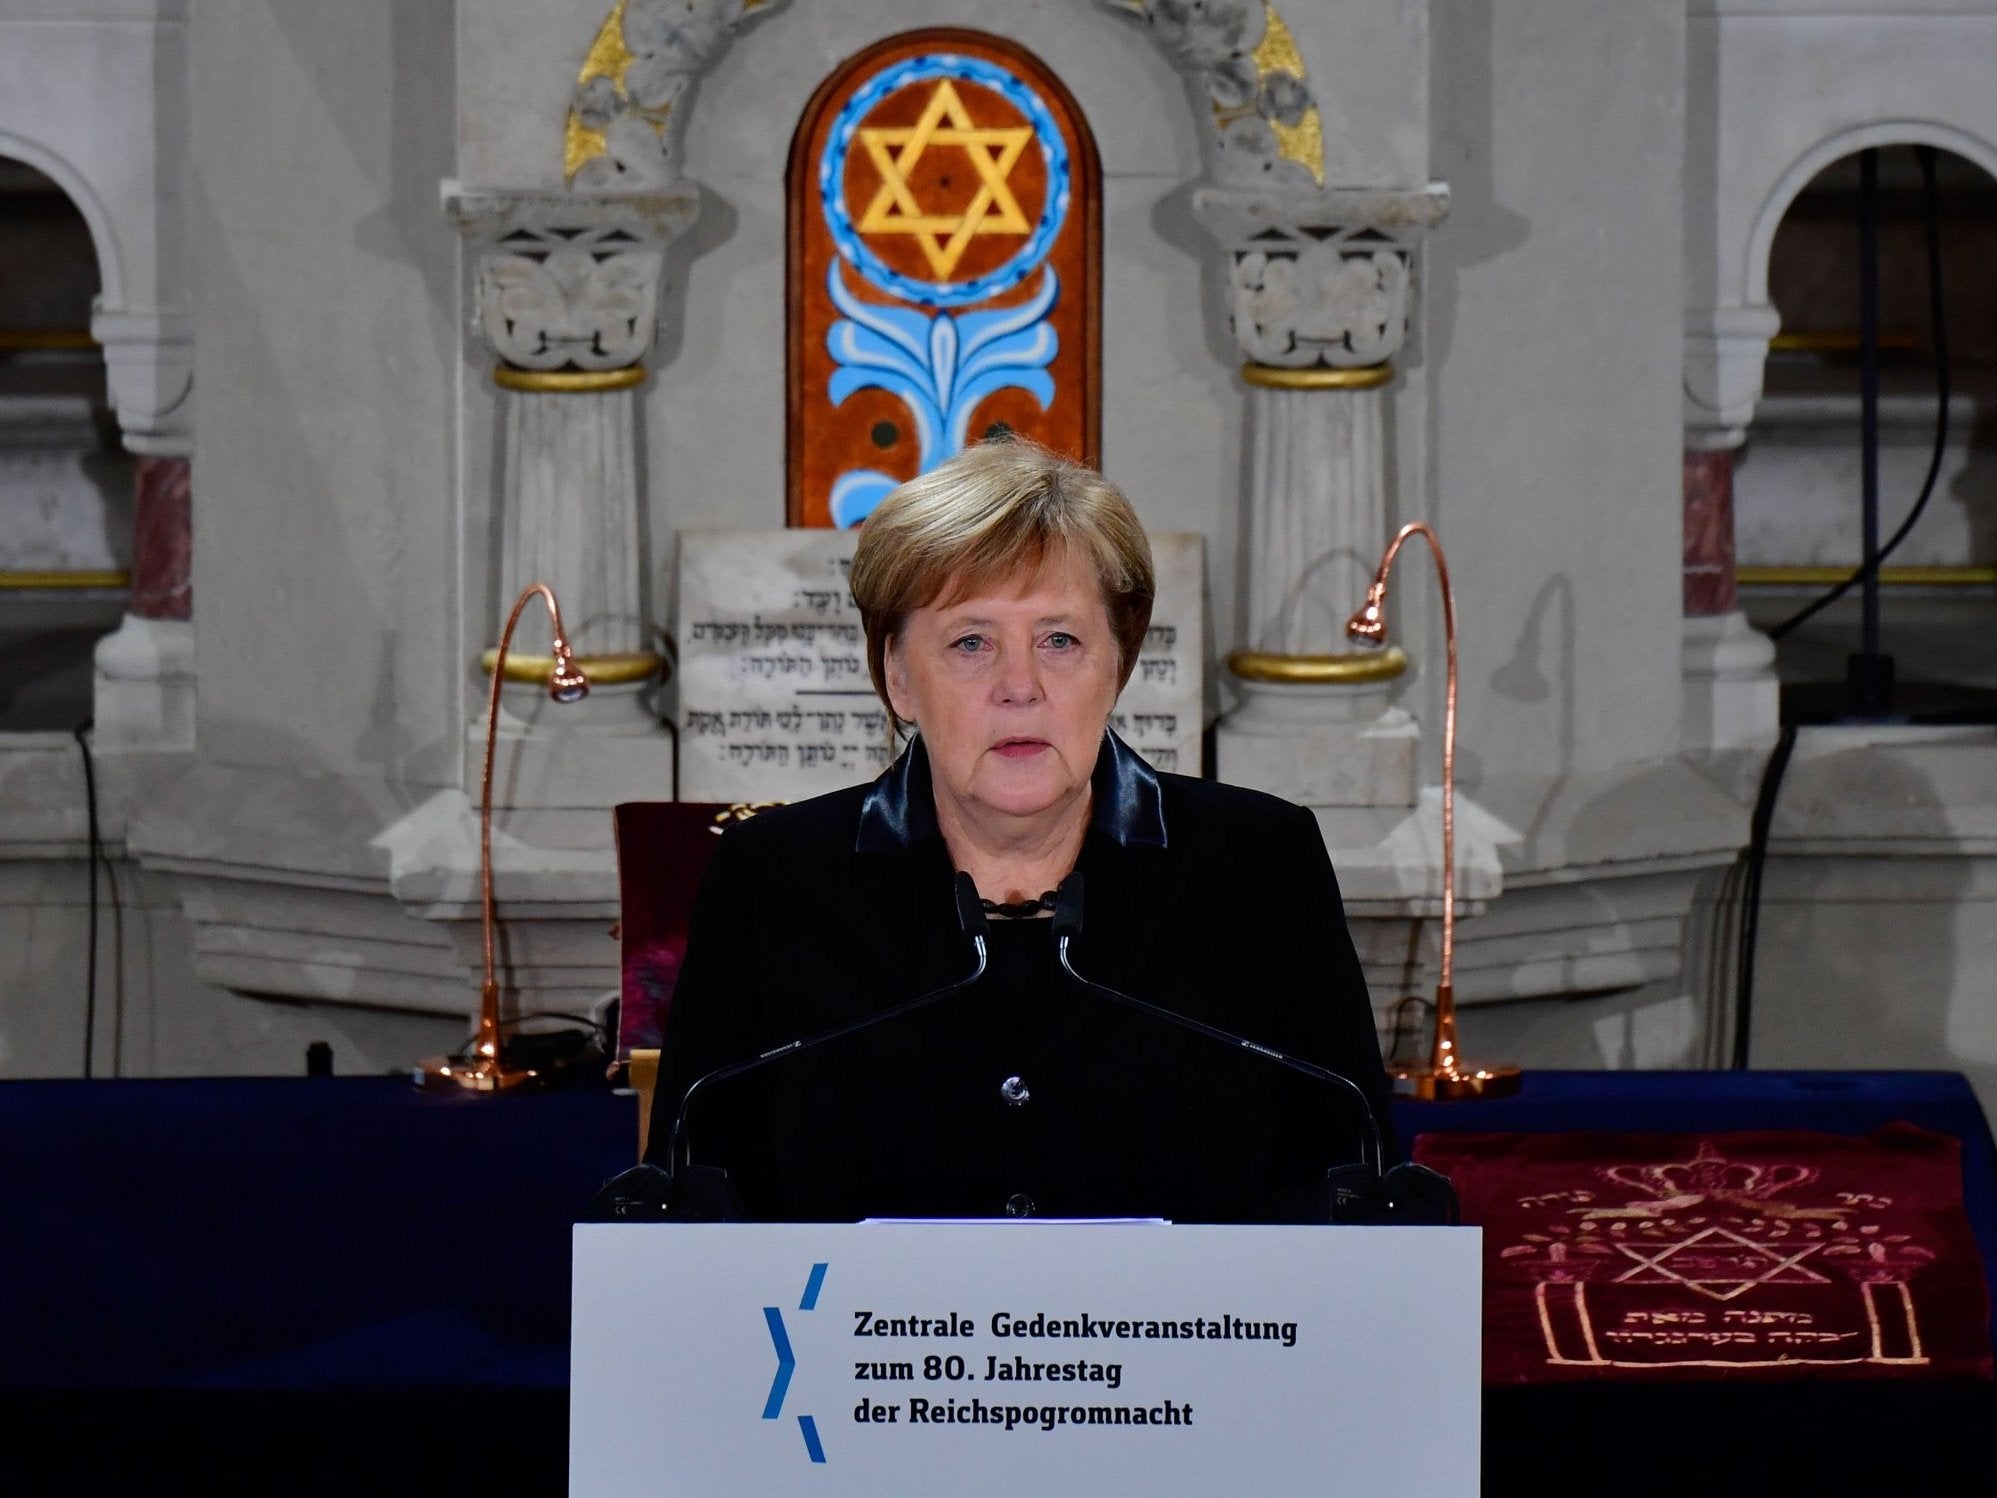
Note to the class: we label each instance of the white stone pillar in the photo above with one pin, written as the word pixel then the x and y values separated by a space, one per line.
pixel 143 692
pixel 567 290
pixel 1318 289
pixel 570 490
pixel 1732 696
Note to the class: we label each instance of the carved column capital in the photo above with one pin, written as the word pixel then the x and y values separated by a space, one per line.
pixel 1319 280
pixel 149 376
pixel 566 286
pixel 1726 351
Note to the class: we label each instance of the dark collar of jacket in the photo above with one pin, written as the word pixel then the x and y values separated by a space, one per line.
pixel 900 811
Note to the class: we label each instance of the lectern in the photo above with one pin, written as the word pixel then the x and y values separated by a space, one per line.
pixel 990 1359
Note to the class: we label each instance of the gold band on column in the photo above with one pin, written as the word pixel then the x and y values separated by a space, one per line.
pixel 602 670
pixel 566 381
pixel 1274 377
pixel 1359 668
pixel 1889 577
pixel 39 580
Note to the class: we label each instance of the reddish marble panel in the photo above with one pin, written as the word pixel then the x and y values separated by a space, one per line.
pixel 1710 587
pixel 163 540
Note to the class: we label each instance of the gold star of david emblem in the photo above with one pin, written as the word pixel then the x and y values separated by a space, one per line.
pixel 992 152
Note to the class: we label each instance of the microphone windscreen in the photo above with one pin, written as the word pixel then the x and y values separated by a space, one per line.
pixel 1068 907
pixel 1417 1194
pixel 970 910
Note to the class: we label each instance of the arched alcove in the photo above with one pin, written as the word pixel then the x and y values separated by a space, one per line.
pixel 1797 479
pixel 57 173
pixel 1846 144
pixel 65 482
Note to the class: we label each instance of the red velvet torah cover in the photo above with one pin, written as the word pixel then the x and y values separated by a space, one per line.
pixel 1772 1254
pixel 663 850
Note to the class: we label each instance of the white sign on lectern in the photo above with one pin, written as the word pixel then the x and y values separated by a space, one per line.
pixel 991 1360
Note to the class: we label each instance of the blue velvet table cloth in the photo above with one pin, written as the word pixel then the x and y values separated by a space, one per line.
pixel 355 1233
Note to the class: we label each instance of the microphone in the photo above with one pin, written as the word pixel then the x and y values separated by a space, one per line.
pixel 1068 925
pixel 684 1189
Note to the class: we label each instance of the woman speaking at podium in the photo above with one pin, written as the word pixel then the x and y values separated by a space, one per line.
pixel 1004 596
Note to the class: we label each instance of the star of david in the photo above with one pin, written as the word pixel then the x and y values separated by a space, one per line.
pixel 992 152
pixel 1781 1269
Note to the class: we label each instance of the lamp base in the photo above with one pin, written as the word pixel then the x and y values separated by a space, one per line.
pixel 482 1074
pixel 1454 1084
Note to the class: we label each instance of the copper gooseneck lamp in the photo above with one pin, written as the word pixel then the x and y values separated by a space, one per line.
pixel 1446 1075
pixel 485 1070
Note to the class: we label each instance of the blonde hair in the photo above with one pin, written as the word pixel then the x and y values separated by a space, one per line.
pixel 992 512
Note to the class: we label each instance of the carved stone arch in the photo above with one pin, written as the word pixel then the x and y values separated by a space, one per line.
pixel 1726 349
pixel 1761 238
pixel 1259 124
pixel 636 89
pixel 103 233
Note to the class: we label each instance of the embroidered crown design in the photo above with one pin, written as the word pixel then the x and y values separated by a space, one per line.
pixel 1709 1173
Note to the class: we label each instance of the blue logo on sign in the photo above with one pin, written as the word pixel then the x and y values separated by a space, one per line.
pixel 773 1406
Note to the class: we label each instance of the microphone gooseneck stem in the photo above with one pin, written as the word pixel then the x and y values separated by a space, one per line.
pixel 679 1149
pixel 1375 1151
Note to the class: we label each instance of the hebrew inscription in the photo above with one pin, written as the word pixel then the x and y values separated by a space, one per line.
pixel 775 701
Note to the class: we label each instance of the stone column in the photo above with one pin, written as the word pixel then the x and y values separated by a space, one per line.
pixel 1732 698
pixel 567 290
pixel 1318 292
pixel 143 696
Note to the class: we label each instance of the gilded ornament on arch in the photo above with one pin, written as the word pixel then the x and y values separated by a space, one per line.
pixel 1242 53
pixel 628 110
pixel 597 87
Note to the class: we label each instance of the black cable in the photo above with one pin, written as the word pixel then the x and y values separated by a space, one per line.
pixel 1939 335
pixel 1750 917
pixel 601 1030
pixel 1397 1031
pixel 96 847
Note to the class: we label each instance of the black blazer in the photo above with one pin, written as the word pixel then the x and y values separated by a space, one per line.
pixel 1214 901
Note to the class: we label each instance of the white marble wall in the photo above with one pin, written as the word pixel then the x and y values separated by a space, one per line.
pixel 346 452
pixel 65 500
pixel 1552 329
pixel 1796 484
pixel 329 641
pixel 1877 930
pixel 327 303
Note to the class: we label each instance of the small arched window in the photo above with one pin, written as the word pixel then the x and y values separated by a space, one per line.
pixel 66 485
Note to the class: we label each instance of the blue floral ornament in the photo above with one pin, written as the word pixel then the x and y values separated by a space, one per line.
pixel 939 366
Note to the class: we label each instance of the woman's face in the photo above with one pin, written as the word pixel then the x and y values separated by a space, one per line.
pixel 1011 687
